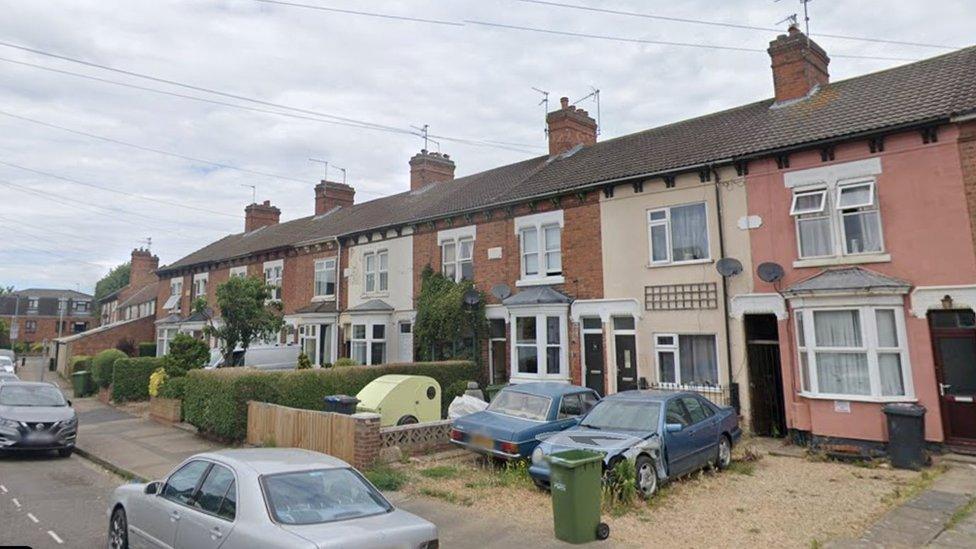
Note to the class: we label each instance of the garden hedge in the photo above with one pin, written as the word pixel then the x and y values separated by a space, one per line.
pixel 102 365
pixel 147 348
pixel 79 363
pixel 130 378
pixel 215 401
pixel 175 387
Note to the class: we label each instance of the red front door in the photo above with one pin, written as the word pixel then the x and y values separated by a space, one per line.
pixel 954 343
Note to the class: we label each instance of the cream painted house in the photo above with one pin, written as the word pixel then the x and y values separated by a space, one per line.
pixel 661 243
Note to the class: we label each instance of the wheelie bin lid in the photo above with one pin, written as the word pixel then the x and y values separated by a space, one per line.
pixel 904 409
pixel 341 399
pixel 570 459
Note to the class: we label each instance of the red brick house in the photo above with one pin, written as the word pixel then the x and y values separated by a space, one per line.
pixel 39 315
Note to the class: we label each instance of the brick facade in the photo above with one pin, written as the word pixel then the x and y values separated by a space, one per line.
pixel 45 327
pixel 107 337
pixel 967 157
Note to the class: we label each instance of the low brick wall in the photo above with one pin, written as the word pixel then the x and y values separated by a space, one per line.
pixel 166 410
pixel 420 437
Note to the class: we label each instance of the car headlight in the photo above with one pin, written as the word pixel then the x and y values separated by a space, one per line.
pixel 538 456
pixel 9 423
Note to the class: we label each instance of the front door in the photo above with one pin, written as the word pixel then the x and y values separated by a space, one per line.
pixel 406 341
pixel 765 376
pixel 594 361
pixel 497 351
pixel 626 347
pixel 954 342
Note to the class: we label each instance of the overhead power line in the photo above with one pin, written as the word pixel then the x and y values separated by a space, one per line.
pixel 726 24
pixel 658 42
pixel 364 13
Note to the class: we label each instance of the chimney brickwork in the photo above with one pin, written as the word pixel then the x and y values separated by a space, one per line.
pixel 260 215
pixel 430 167
pixel 799 65
pixel 142 268
pixel 330 195
pixel 569 127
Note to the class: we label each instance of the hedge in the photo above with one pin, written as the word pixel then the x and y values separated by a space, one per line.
pixel 215 401
pixel 175 387
pixel 147 348
pixel 130 378
pixel 79 363
pixel 102 365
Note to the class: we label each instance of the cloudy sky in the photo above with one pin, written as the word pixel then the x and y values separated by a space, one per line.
pixel 83 174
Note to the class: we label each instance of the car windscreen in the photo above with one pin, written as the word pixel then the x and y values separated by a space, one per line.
pixel 326 495
pixel 30 395
pixel 524 405
pixel 9 377
pixel 624 415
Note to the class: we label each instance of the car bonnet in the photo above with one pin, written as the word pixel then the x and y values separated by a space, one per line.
pixel 608 442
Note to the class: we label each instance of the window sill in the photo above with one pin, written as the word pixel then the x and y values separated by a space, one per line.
pixel 842 260
pixel 320 298
pixel 541 281
pixel 530 378
pixel 678 263
pixel 858 398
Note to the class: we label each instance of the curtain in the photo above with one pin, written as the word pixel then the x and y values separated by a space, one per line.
pixel 699 365
pixel 815 237
pixel 863 232
pixel 837 328
pixel 843 373
pixel 889 365
pixel 887 333
pixel 659 243
pixel 665 361
pixel 689 232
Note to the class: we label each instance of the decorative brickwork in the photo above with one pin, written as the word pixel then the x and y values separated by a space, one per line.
pixel 419 437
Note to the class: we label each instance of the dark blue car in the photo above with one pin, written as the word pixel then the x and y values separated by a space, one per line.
pixel 520 413
pixel 666 435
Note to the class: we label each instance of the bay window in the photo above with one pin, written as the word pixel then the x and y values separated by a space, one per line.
pixel 368 343
pixel 678 234
pixel 376 271
pixel 541 349
pixel 272 277
pixel 853 352
pixel 325 278
pixel 851 226
pixel 686 359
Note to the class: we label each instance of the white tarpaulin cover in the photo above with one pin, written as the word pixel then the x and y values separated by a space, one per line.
pixel 464 405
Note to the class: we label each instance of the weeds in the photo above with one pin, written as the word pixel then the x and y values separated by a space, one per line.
pixel 961 513
pixel 386 478
pixel 747 468
pixel 449 497
pixel 440 471
pixel 620 488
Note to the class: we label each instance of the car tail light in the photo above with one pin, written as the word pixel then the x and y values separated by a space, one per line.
pixel 508 447
pixel 457 435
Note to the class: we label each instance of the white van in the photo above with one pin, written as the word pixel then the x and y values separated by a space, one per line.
pixel 264 357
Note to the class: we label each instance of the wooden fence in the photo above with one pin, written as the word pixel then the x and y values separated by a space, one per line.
pixel 326 432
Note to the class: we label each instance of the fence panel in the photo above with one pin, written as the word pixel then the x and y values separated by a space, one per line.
pixel 326 432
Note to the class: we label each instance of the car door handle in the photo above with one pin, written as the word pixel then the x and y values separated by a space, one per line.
pixel 216 534
pixel 174 516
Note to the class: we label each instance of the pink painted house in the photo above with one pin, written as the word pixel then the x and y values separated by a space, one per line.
pixel 874 232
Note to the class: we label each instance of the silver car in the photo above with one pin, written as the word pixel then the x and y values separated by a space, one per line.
pixel 6 364
pixel 7 377
pixel 36 416
pixel 262 497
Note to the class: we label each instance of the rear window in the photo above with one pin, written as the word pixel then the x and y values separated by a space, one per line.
pixel 327 495
pixel 523 405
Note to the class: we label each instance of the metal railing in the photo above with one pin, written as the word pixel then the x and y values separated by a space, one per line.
pixel 719 394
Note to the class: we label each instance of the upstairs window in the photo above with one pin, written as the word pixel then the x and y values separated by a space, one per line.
pixel 541 251
pixel 849 226
pixel 175 293
pixel 32 304
pixel 238 272
pixel 457 259
pixel 678 234
pixel 325 278
pixel 376 271
pixel 200 285
pixel 860 220
pixel 273 271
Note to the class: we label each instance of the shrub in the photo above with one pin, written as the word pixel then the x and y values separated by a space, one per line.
pixel 102 365
pixel 79 363
pixel 130 378
pixel 147 348
pixel 303 362
pixel 173 388
pixel 185 353
pixel 216 400
pixel 127 346
pixel 345 361
pixel 156 380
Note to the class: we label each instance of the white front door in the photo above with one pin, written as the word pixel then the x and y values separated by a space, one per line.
pixel 405 331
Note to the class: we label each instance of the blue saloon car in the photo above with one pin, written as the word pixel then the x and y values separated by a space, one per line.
pixel 520 413
pixel 666 435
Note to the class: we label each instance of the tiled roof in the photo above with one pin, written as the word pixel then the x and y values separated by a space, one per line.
pixel 371 305
pixel 319 307
pixel 848 279
pixel 537 295
pixel 51 292
pixel 142 295
pixel 926 91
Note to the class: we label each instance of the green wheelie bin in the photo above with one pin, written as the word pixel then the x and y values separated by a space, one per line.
pixel 574 480
pixel 81 382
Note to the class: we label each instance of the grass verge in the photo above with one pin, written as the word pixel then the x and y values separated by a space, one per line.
pixel 386 478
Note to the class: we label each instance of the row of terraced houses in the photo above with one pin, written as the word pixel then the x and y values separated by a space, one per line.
pixel 635 262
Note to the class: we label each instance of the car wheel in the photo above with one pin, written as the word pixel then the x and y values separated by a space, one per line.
pixel 118 530
pixel 724 455
pixel 646 476
pixel 65 452
pixel 407 420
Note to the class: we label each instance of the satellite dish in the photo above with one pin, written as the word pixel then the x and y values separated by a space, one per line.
pixel 472 298
pixel 728 266
pixel 501 291
pixel 769 272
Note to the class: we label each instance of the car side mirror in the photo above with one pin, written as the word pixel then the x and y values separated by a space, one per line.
pixel 152 488
pixel 673 427
pixel 68 400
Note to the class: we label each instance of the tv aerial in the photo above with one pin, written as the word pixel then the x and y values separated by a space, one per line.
pixel 728 266
pixel 769 272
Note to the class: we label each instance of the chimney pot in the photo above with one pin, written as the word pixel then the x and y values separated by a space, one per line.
pixel 799 65
pixel 569 127
pixel 564 102
pixel 427 167
pixel 260 215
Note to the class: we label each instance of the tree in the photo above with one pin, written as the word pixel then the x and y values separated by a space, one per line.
pixel 245 315
pixel 116 279
pixel 185 353
pixel 446 328
pixel 4 334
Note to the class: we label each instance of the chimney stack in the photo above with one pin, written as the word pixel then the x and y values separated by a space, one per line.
pixel 430 167
pixel 330 195
pixel 799 65
pixel 142 268
pixel 569 127
pixel 260 215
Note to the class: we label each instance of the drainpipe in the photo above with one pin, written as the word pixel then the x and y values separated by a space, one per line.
pixel 339 277
pixel 733 394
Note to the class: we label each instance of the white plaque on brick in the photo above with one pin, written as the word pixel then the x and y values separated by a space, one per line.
pixel 495 253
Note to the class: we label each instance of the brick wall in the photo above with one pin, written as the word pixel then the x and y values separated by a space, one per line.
pixel 140 330
pixel 368 441
pixel 967 156
pixel 298 282
pixel 47 326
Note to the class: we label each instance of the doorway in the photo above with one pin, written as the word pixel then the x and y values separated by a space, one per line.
pixel 497 351
pixel 594 361
pixel 765 376
pixel 954 345
pixel 625 347
pixel 406 340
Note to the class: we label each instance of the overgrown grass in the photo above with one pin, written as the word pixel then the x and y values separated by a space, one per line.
pixel 913 487
pixel 386 478
pixel 961 514
pixel 747 468
pixel 440 471
pixel 444 495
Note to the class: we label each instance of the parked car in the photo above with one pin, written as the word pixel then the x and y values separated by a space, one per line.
pixel 7 377
pixel 36 416
pixel 401 400
pixel 518 414
pixel 666 435
pixel 6 364
pixel 262 497
pixel 264 357
pixel 9 353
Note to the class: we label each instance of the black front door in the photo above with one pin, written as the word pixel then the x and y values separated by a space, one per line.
pixel 765 376
pixel 954 342
pixel 626 346
pixel 593 357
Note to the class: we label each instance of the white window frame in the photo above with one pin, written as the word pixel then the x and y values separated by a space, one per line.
pixel 238 272
pixel 199 280
pixel 163 336
pixel 867 318
pixel 540 222
pixel 458 261
pixel 821 191
pixel 541 344
pixel 666 223
pixel 373 280
pixel 675 349
pixel 175 295
pixel 322 266
pixel 870 206
pixel 831 210
pixel 369 340
pixel 274 274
